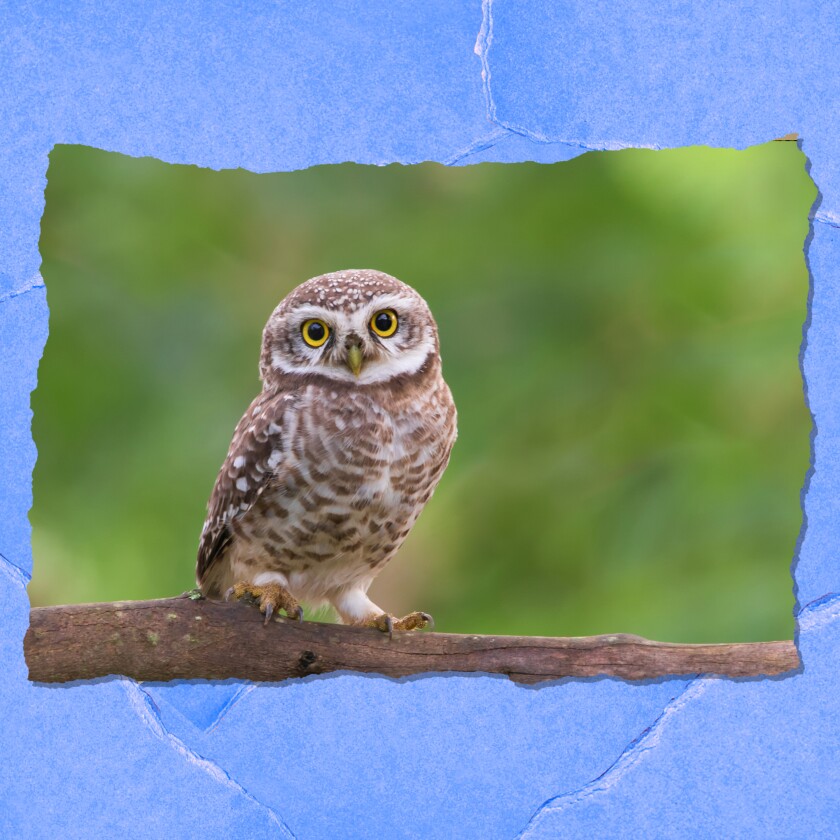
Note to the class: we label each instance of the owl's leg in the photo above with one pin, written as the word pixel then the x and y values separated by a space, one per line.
pixel 269 591
pixel 355 608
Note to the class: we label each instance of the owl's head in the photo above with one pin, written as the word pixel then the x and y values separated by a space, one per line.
pixel 358 326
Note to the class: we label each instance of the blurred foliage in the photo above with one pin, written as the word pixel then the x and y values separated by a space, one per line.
pixel 621 333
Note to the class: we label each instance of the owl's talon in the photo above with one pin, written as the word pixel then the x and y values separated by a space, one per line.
pixel 430 622
pixel 383 622
pixel 387 623
pixel 414 621
pixel 270 598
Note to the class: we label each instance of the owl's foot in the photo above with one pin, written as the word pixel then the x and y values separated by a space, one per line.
pixel 270 597
pixel 413 621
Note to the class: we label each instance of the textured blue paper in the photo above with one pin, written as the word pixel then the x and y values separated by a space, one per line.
pixel 286 85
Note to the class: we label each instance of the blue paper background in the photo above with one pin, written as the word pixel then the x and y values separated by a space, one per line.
pixel 281 86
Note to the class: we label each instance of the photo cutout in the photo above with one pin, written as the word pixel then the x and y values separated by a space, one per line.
pixel 620 333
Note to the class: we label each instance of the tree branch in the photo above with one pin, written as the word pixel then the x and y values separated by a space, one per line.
pixel 178 638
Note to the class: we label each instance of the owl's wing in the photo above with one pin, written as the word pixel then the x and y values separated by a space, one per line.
pixel 253 462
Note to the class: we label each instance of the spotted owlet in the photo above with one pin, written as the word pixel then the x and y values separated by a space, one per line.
pixel 333 461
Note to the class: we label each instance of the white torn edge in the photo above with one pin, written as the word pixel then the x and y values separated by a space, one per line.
pixel 819 613
pixel 499 134
pixel 479 145
pixel 144 708
pixel 15 573
pixel 241 694
pixel 483 42
pixel 826 217
pixel 631 755
pixel 37 282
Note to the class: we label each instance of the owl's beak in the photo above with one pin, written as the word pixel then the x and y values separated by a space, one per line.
pixel 354 358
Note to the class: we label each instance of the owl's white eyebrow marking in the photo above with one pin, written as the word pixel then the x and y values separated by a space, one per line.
pixel 313 310
pixel 242 484
pixel 393 300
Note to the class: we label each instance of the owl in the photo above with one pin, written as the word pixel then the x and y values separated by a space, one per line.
pixel 334 460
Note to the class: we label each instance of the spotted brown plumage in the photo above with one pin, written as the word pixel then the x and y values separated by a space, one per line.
pixel 334 460
pixel 248 470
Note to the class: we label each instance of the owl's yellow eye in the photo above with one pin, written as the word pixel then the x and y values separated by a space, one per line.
pixel 384 323
pixel 315 332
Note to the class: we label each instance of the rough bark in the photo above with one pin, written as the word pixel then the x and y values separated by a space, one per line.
pixel 180 638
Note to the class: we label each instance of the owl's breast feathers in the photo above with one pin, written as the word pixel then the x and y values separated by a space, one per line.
pixel 321 472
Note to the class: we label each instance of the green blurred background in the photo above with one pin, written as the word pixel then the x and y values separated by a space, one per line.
pixel 621 333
